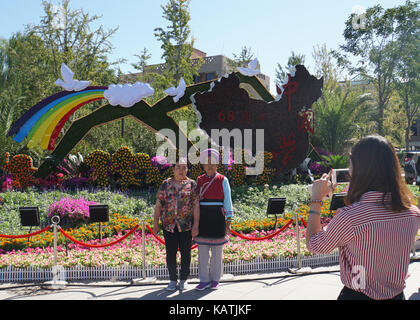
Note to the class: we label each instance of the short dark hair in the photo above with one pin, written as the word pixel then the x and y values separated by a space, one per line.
pixel 376 168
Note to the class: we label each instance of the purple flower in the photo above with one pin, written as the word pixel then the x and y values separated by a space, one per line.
pixel 317 168
pixel 71 210
pixel 77 182
pixel 160 162
pixel 7 183
pixel 323 152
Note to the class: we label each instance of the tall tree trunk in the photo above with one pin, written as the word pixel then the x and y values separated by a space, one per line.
pixel 381 119
pixel 407 137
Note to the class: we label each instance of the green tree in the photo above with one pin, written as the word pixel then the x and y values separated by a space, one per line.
pixel 335 161
pixel 23 81
pixel 177 49
pixel 407 79
pixel 325 66
pixel 241 59
pixel 176 43
pixel 338 115
pixel 24 61
pixel 159 81
pixel 143 57
pixel 30 64
pixel 372 38
pixel 68 35
pixel 395 121
pixel 342 113
pixel 293 60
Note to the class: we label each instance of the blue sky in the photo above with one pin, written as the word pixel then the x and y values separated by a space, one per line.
pixel 272 28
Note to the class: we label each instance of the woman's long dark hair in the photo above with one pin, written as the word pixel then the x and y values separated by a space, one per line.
pixel 376 168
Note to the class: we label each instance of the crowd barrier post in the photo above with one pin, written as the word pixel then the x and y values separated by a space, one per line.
pixel 299 269
pixel 298 241
pixel 144 279
pixel 58 281
pixel 143 244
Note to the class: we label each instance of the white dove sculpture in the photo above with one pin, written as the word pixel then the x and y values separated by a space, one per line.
pixel 178 92
pixel 251 70
pixel 68 83
pixel 292 70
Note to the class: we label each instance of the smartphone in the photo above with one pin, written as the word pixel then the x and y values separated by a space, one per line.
pixel 337 201
pixel 340 176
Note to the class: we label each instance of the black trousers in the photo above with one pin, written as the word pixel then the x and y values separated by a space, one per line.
pixel 349 294
pixel 173 241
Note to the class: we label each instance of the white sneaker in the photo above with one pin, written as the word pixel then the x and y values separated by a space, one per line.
pixel 171 286
pixel 183 285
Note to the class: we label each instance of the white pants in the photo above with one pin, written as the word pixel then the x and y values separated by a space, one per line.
pixel 210 268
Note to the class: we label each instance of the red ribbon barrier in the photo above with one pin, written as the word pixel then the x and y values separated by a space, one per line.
pixel 98 245
pixel 265 237
pixel 163 241
pixel 25 235
pixel 156 237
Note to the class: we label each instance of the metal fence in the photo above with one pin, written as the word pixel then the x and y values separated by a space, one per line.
pixel 125 272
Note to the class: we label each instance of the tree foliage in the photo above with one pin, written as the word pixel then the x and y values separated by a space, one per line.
pixel 30 63
pixel 176 43
pixel 293 60
pixel 241 59
pixel 377 41
pixel 338 117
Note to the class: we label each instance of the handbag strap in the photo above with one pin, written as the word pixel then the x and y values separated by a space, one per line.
pixel 202 192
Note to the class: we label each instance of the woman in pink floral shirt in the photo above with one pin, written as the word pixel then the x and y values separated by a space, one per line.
pixel 177 207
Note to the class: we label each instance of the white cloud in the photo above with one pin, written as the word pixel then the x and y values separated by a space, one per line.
pixel 128 95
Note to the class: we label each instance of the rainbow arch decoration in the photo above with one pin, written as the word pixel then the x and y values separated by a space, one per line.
pixel 238 93
pixel 43 122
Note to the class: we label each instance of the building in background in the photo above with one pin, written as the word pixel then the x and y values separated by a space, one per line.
pixel 213 67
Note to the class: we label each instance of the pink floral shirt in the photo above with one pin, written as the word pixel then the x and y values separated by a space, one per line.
pixel 177 200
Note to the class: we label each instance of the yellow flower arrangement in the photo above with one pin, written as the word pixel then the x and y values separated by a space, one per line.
pixel 237 173
pixel 124 162
pixel 196 171
pixel 267 174
pixel 98 160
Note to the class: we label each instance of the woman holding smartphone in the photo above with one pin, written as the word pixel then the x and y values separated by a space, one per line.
pixel 375 231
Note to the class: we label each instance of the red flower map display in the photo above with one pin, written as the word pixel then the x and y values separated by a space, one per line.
pixel 286 122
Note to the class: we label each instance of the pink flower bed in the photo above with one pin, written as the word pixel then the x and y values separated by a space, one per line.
pixel 129 251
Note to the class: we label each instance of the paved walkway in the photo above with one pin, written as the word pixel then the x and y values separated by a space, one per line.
pixel 279 286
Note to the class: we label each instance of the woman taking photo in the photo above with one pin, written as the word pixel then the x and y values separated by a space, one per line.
pixel 375 231
pixel 178 208
pixel 215 217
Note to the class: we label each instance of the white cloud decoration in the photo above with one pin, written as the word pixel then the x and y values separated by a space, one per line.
pixel 177 92
pixel 68 83
pixel 128 95
pixel 251 70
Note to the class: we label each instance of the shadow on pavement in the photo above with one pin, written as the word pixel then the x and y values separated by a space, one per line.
pixel 163 294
